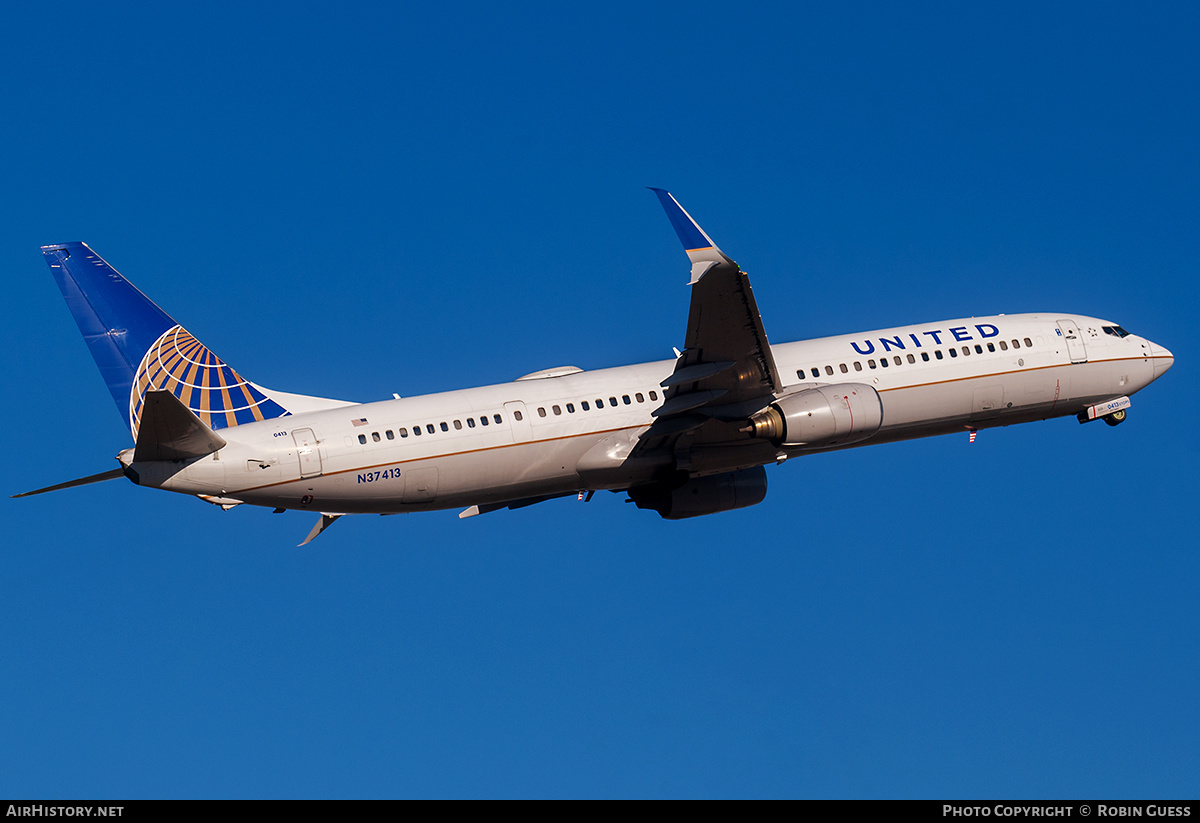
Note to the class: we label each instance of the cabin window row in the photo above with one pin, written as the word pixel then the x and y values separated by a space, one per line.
pixel 912 358
pixel 431 428
pixel 585 405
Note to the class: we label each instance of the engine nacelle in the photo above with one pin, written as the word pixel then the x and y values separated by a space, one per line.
pixel 704 495
pixel 822 417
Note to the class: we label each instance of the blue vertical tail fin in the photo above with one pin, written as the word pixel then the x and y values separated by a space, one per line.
pixel 139 348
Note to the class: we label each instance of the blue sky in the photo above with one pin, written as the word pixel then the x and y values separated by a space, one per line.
pixel 358 201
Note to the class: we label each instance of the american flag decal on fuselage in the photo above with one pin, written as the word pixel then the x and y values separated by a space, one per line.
pixel 182 365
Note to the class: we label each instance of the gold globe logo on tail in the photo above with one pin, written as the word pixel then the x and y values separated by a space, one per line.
pixel 179 363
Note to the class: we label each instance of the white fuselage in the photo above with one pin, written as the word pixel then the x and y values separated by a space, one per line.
pixel 541 434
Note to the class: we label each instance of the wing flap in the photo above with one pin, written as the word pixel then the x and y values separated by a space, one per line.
pixel 488 508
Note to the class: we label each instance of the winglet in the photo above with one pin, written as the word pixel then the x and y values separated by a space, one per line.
pixel 700 248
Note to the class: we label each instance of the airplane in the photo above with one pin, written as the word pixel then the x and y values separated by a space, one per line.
pixel 683 437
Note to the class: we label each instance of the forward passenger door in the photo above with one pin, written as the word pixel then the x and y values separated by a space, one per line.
pixel 1075 347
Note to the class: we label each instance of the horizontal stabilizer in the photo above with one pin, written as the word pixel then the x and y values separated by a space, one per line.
pixel 171 431
pixel 83 481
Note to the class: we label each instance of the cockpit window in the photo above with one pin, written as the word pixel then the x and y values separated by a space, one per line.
pixel 1115 331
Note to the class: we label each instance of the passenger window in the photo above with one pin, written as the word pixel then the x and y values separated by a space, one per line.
pixel 443 426
pixel 816 372
pixel 417 431
pixel 584 405
pixel 541 411
pixel 458 425
pixel 625 399
pixel 1016 344
pixel 1028 343
pixel 978 349
pixel 570 408
pixel 829 370
pixel 925 356
pixel 639 397
pixel 842 366
pixel 912 359
pixel 518 416
pixel 800 373
pixel 429 428
pixel 966 350
pixel 898 360
pixel 498 419
pixel 599 403
pixel 871 363
pixel 483 421
pixel 991 346
pixel 883 362
pixel 470 422
pixel 556 409
pixel 362 438
pixel 612 401
pixel 375 436
pixel 953 352
pixel 1003 346
pixel 857 366
pixel 404 432
pixel 653 395
pixel 389 435
pixel 938 354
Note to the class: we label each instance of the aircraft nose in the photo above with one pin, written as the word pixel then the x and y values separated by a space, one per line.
pixel 1163 359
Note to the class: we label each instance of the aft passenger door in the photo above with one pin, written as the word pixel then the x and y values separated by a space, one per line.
pixel 1075 347
pixel 309 454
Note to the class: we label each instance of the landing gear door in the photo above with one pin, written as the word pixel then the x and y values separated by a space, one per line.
pixel 306 449
pixel 1075 348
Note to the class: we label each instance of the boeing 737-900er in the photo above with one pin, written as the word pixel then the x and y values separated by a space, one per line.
pixel 683 437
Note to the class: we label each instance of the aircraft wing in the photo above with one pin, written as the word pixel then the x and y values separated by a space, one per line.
pixel 726 370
